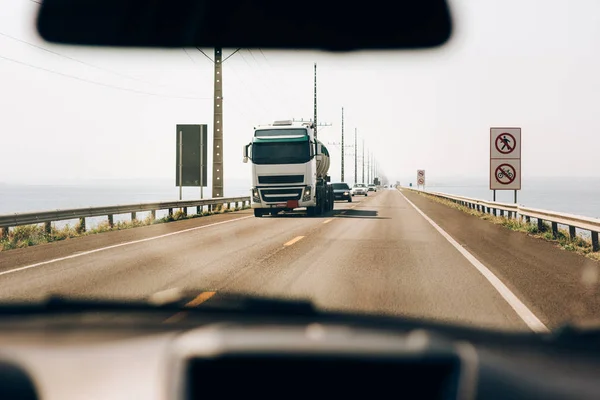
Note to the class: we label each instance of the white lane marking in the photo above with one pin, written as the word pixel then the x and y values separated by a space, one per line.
pixel 521 309
pixel 294 240
pixel 84 253
pixel 327 221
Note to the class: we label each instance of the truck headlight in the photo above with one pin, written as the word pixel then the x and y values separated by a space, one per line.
pixel 255 195
pixel 307 193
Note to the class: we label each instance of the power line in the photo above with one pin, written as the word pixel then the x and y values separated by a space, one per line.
pixel 248 90
pixel 188 54
pixel 231 55
pixel 205 55
pixel 269 85
pixel 103 84
pixel 73 59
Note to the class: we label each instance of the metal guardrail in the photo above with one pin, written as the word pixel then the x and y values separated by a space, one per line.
pixel 47 217
pixel 517 211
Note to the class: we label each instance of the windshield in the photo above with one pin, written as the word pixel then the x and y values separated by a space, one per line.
pixel 281 152
pixel 125 172
pixel 340 186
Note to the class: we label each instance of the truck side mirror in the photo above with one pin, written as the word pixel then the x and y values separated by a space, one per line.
pixel 245 153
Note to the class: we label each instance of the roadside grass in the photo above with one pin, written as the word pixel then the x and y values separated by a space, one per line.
pixel 579 244
pixel 31 235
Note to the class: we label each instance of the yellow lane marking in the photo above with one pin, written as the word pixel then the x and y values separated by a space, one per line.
pixel 201 298
pixel 294 240
pixel 327 221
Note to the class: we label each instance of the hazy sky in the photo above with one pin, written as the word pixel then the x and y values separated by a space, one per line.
pixel 112 113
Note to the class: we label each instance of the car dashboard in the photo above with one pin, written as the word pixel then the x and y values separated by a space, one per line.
pixel 282 360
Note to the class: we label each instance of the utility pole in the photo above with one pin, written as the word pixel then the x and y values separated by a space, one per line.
pixel 355 159
pixel 217 182
pixel 363 160
pixel 315 101
pixel 343 150
pixel 368 167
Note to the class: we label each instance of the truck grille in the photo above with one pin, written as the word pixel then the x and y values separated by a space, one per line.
pixel 280 195
pixel 281 179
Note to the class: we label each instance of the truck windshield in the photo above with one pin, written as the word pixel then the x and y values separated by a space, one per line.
pixel 281 153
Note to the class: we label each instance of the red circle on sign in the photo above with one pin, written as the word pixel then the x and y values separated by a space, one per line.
pixel 505 170
pixel 421 173
pixel 421 181
pixel 505 147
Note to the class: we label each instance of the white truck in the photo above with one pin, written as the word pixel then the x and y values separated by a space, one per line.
pixel 289 170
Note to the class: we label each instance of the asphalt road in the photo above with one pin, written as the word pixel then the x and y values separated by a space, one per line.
pixel 378 254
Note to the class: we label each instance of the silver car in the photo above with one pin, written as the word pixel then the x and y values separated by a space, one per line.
pixel 359 189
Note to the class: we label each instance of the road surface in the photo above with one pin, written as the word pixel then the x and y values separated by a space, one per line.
pixel 393 252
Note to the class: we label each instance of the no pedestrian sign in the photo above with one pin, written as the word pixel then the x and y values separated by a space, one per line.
pixel 505 158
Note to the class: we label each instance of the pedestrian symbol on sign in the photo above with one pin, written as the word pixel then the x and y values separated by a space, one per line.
pixel 505 143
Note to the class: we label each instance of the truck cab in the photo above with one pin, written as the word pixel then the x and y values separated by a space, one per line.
pixel 289 169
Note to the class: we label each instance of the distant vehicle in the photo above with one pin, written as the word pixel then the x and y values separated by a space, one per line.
pixel 341 191
pixel 359 189
pixel 289 170
pixel 372 188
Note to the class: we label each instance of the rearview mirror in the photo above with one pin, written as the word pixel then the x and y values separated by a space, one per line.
pixel 312 24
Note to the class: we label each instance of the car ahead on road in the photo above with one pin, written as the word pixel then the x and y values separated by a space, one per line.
pixel 372 188
pixel 341 191
pixel 359 189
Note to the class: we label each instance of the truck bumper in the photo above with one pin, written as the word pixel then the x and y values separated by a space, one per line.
pixel 288 205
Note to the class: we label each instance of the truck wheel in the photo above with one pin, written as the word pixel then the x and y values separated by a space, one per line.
pixel 311 211
pixel 258 212
pixel 350 200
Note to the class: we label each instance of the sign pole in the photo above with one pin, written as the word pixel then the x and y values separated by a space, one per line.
pixel 202 165
pixel 515 197
pixel 494 194
pixel 180 164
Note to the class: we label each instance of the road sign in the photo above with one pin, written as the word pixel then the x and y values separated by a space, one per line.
pixel 420 177
pixel 192 145
pixel 505 159
pixel 505 143
pixel 505 174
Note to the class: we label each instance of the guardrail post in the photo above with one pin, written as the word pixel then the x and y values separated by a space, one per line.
pixel 502 213
pixel 111 221
pixel 528 219
pixel 198 209
pixel 572 232
pixel 540 225
pixel 170 212
pixel 5 232
pixel 153 215
pixel 82 224
pixel 555 230
pixel 133 216
pixel 595 244
pixel 48 228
